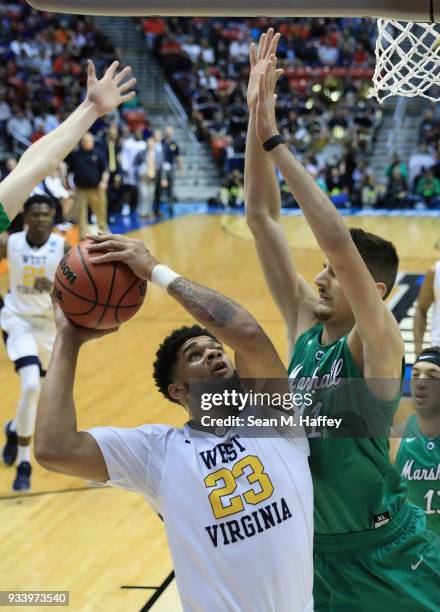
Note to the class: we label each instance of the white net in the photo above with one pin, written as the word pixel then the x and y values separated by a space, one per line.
pixel 407 60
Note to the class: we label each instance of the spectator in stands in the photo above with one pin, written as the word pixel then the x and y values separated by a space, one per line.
pixel 192 49
pixel 171 158
pixel 370 192
pixel 131 145
pixel 239 48
pixel 428 187
pixel 337 186
pixel 429 127
pixel 154 28
pixel 232 191
pixel 318 57
pixel 207 53
pixel 110 148
pixel 397 188
pixel 10 164
pixel 146 171
pixel 90 176
pixel 56 187
pixel 19 126
pixel 328 53
pixel 51 120
pixel 160 181
pixel 396 162
pixel 419 161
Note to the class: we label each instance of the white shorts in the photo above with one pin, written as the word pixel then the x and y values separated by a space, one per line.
pixel 29 340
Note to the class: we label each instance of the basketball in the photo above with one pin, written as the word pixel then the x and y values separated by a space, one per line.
pixel 98 296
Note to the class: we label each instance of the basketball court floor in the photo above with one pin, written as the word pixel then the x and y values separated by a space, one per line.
pixel 106 546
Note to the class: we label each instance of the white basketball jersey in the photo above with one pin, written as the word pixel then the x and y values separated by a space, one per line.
pixel 238 513
pixel 27 263
pixel 435 333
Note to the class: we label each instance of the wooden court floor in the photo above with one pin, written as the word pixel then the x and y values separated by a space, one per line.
pixel 69 535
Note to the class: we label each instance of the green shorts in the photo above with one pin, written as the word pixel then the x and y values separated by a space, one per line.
pixel 4 219
pixel 394 568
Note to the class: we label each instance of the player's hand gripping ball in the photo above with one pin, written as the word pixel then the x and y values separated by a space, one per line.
pixel 97 296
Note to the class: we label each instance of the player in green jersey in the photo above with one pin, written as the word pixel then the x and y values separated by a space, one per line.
pixel 418 457
pixel 368 539
pixel 43 156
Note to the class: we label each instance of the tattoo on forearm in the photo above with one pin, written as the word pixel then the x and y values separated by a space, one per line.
pixel 204 304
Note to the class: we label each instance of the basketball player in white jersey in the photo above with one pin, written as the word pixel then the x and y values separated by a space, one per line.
pixel 237 509
pixel 27 322
pixel 43 156
pixel 429 294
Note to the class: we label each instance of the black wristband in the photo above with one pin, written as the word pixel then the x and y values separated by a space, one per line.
pixel 273 142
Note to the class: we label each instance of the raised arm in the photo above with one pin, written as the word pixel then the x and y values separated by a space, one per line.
pixel 293 296
pixel 59 446
pixel 43 156
pixel 256 356
pixel 424 301
pixel 376 340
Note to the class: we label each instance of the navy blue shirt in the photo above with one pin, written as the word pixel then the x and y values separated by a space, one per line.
pixel 87 167
pixel 170 151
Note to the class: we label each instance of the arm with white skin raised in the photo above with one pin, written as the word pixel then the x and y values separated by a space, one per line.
pixel 43 156
pixel 375 341
pixel 294 297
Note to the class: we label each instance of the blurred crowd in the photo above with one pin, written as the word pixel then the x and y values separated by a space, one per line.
pixel 417 183
pixel 322 103
pixel 124 165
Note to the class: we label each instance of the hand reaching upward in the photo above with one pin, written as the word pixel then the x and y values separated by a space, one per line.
pixel 259 59
pixel 109 92
pixel 265 120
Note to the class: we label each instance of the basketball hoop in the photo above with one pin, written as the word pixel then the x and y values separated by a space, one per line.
pixel 407 60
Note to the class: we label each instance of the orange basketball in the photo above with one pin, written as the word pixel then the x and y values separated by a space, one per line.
pixel 98 296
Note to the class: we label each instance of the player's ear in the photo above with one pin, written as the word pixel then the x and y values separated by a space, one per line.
pixel 176 391
pixel 382 288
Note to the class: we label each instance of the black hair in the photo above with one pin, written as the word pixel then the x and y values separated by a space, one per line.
pixel 166 356
pixel 38 199
pixel 380 257
pixel 429 351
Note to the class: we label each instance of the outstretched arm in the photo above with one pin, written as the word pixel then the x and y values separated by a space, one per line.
pixel 226 319
pixel 293 296
pixel 376 341
pixel 59 446
pixel 43 156
pixel 424 301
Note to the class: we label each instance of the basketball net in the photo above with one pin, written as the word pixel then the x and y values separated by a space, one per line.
pixel 407 60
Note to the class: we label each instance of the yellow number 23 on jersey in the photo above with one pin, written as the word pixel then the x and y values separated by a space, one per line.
pixel 256 476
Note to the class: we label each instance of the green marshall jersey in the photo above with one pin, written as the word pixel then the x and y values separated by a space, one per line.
pixel 418 460
pixel 4 219
pixel 356 486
